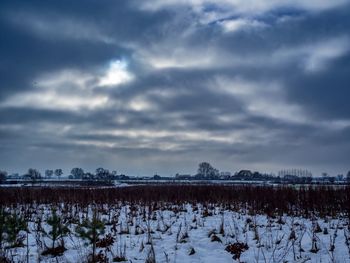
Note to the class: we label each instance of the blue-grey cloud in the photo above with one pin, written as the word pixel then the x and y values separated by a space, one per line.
pixel 158 86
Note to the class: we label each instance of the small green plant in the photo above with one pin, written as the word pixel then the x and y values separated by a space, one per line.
pixel 14 224
pixel 91 230
pixel 58 230
pixel 3 218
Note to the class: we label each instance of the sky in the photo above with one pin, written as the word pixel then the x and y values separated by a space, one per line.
pixel 157 86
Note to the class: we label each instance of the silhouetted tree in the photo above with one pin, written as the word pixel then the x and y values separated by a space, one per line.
pixel 3 175
pixel 331 179
pixel 102 174
pixel 88 176
pixel 207 171
pixel 33 174
pixel 58 172
pixel 78 173
pixel 48 173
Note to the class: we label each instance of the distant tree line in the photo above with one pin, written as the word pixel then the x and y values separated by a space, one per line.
pixel 100 174
pixel 297 176
pixel 76 173
pixel 205 171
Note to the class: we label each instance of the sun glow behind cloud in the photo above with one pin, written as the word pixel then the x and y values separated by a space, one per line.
pixel 116 74
pixel 71 89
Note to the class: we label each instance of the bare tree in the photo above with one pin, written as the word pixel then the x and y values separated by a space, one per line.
pixel 33 174
pixel 48 173
pixel 58 172
pixel 102 174
pixel 206 170
pixel 3 175
pixel 78 173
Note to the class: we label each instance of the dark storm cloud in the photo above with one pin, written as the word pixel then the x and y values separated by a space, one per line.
pixel 238 86
pixel 37 38
pixel 325 93
pixel 29 115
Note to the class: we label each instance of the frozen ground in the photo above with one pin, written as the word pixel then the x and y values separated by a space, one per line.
pixel 189 233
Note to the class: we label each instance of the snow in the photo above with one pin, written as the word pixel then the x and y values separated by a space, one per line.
pixel 274 242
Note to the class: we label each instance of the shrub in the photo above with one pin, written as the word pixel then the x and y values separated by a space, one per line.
pixel 236 249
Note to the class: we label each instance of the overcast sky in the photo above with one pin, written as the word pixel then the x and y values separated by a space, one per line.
pixel 157 86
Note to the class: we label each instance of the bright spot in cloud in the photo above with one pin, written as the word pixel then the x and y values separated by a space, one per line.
pixel 140 104
pixel 42 99
pixel 63 90
pixel 178 58
pixel 239 24
pixel 116 74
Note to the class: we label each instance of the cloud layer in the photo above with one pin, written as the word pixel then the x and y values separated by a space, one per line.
pixel 158 86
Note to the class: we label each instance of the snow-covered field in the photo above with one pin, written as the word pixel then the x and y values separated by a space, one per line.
pixel 176 233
